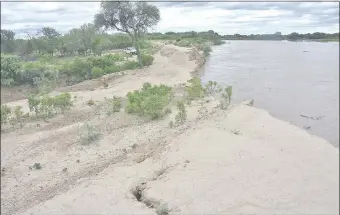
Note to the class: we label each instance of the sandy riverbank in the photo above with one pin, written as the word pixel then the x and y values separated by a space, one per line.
pixel 235 161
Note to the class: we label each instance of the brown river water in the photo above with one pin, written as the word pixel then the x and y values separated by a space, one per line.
pixel 295 81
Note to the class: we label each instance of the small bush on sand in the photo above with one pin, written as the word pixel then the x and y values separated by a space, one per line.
pixel 47 106
pixel 162 209
pixel 115 105
pixel 226 97
pixel 195 89
pixel 62 102
pixel 167 111
pixel 5 113
pixel 36 166
pixel 147 60
pixel 90 102
pixel 212 87
pixel 46 109
pixel 149 101
pixel 33 103
pixel 181 116
pixel 18 114
pixel 89 134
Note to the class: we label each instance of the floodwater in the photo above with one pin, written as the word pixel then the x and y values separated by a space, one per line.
pixel 288 79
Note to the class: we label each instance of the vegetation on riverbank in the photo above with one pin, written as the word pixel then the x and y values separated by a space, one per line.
pixel 64 71
pixel 316 36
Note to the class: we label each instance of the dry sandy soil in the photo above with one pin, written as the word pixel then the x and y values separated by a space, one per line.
pixel 235 161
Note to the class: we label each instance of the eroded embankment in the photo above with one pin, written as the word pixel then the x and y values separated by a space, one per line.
pixel 239 160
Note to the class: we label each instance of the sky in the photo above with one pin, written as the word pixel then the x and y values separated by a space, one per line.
pixel 222 17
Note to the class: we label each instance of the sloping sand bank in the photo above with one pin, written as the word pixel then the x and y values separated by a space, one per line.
pixel 235 161
pixel 208 169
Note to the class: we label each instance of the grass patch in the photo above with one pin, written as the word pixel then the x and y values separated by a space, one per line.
pixel 149 101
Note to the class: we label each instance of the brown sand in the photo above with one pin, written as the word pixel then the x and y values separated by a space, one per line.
pixel 235 161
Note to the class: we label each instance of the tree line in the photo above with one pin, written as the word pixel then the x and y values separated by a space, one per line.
pixel 291 37
pixel 84 40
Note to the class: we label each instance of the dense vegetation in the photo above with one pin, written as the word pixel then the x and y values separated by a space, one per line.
pixel 317 36
pixel 185 38
pixel 17 71
pixel 53 59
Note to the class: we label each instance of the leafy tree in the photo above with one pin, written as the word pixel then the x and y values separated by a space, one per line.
pixel 133 18
pixel 87 35
pixel 49 32
pixel 49 39
pixel 294 36
pixel 7 41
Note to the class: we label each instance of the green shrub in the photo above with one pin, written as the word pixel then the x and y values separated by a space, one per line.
pixel 47 106
pixel 147 60
pixel 195 89
pixel 149 101
pixel 226 97
pixel 33 71
pixel 116 57
pixel 18 114
pixel 218 42
pixel 100 61
pixel 76 70
pixel 46 58
pixel 212 87
pixel 129 65
pixel 181 115
pixel 183 43
pixel 10 70
pixel 62 102
pixel 207 50
pixel 89 134
pixel 5 113
pixel 90 102
pixel 46 109
pixel 115 105
pixel 112 69
pixel 33 103
pixel 97 72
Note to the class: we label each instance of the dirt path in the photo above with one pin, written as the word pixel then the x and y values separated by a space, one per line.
pixel 237 161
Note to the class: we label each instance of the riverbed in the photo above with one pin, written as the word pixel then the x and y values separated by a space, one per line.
pixel 294 81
